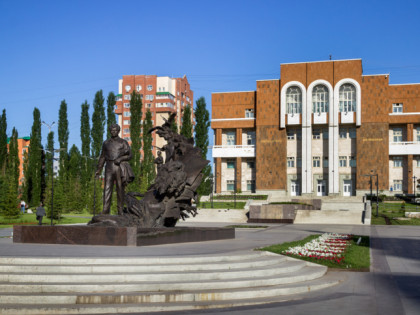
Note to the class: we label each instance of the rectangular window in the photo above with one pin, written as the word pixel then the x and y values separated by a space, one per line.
pixel 127 138
pixel 316 161
pixel 352 161
pixel 127 114
pixel 397 185
pixel 149 105
pixel 325 134
pixel 127 122
pixel 150 87
pixel 230 164
pixel 231 138
pixel 250 138
pixel 397 135
pixel 418 162
pixel 250 164
pixel 127 97
pixel 325 162
pixel 150 97
pixel 230 185
pixel 398 161
pixel 342 161
pixel 291 161
pixel 316 134
pixel 126 105
pixel 343 133
pixel 290 135
pixel 126 130
pixel 352 133
pixel 249 113
pixel 418 134
pixel 250 185
pixel 397 107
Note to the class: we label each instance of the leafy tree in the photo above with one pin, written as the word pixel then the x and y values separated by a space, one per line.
pixel 11 202
pixel 201 137
pixel 3 141
pixel 98 123
pixel 174 126
pixel 148 173
pixel 110 102
pixel 13 161
pixel 135 131
pixel 48 156
pixel 186 128
pixel 86 163
pixel 63 139
pixel 33 178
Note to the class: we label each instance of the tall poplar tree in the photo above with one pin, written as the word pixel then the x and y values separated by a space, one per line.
pixel 63 139
pixel 13 161
pixel 3 142
pixel 48 157
pixel 148 172
pixel 186 128
pixel 86 169
pixel 33 180
pixel 110 102
pixel 201 137
pixel 135 131
pixel 98 123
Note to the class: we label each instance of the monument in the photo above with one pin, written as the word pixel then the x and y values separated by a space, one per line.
pixel 149 218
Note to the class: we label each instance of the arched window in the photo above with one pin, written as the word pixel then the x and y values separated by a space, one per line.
pixel 347 98
pixel 293 100
pixel 320 98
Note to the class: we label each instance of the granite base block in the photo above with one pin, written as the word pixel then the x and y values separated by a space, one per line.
pixel 117 236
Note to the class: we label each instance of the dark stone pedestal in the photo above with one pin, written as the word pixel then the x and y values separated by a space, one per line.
pixel 116 236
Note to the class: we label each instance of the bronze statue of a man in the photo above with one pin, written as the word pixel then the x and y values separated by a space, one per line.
pixel 116 153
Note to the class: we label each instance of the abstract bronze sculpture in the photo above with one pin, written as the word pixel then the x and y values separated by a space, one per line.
pixel 170 197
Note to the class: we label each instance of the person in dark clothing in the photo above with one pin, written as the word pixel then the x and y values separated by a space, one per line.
pixel 40 213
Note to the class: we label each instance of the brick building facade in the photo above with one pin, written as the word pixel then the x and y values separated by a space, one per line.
pixel 321 129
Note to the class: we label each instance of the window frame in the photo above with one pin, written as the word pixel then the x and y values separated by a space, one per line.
pixel 249 113
pixel 397 134
pixel 347 98
pixel 397 161
pixel 316 161
pixel 320 99
pixel 230 137
pixel 291 162
pixel 342 161
pixel 397 107
pixel 293 100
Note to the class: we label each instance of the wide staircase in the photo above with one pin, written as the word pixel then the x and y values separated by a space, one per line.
pixel 153 284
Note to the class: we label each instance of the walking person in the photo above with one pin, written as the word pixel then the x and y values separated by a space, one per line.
pixel 40 213
pixel 22 206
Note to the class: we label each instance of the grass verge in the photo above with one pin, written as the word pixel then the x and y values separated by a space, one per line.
pixel 221 205
pixel 30 219
pixel 356 257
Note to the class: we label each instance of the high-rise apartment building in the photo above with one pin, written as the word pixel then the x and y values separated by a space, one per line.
pixel 323 128
pixel 162 95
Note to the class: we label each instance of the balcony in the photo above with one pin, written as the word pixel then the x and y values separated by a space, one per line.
pixel 404 148
pixel 230 151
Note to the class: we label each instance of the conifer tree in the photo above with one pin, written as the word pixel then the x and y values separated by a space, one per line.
pixel 48 157
pixel 148 172
pixel 86 163
pixel 3 142
pixel 13 161
pixel 135 131
pixel 186 128
pixel 98 123
pixel 63 140
pixel 201 137
pixel 110 102
pixel 33 179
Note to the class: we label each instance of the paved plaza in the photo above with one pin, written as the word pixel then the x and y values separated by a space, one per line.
pixel 392 286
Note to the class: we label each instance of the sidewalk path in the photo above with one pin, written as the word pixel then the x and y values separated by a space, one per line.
pixel 392 286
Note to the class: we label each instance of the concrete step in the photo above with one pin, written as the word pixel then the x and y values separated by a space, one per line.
pixel 128 277
pixel 169 297
pixel 302 274
pixel 328 217
pixel 257 261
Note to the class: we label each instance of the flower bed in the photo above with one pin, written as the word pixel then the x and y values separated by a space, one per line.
pixel 328 246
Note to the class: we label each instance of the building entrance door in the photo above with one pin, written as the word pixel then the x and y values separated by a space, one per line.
pixel 294 188
pixel 347 188
pixel 321 188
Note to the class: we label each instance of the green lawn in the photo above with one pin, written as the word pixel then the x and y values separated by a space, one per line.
pixel 388 213
pixel 30 219
pixel 357 257
pixel 221 205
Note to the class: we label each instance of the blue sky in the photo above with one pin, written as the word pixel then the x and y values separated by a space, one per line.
pixel 55 50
